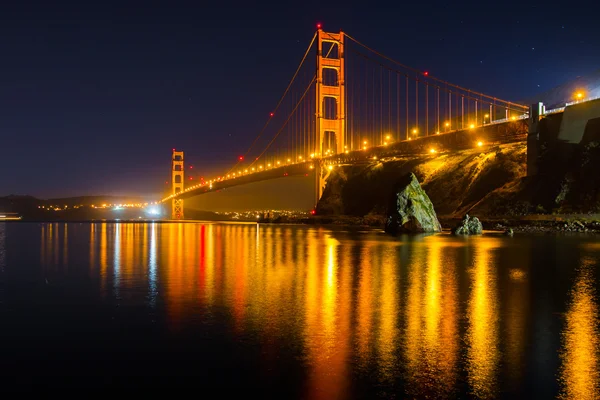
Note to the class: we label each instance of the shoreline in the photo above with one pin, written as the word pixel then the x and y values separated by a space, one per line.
pixel 581 223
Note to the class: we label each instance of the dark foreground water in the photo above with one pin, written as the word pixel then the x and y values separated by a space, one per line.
pixel 298 312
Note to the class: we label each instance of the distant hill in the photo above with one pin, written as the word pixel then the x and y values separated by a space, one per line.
pixel 565 93
pixel 89 200
pixel 72 201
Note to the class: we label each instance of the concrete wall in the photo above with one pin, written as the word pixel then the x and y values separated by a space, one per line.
pixel 576 118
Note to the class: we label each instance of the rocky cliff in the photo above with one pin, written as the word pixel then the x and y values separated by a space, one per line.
pixel 487 182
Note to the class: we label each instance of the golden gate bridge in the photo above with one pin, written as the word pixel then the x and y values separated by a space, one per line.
pixel 355 106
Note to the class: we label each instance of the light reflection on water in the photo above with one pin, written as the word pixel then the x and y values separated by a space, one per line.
pixel 580 371
pixel 356 313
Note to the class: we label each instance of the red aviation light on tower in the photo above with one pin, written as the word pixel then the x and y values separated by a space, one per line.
pixel 271 114
pixel 318 25
pixel 241 158
pixel 425 73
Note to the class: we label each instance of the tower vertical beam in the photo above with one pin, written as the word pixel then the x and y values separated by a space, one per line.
pixel 177 179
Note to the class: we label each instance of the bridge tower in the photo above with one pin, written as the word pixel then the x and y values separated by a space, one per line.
pixel 177 184
pixel 328 125
pixel 332 60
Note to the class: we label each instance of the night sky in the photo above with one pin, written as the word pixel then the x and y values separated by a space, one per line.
pixel 94 95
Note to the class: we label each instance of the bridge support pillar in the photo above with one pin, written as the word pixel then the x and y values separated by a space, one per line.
pixel 536 112
pixel 177 180
pixel 322 172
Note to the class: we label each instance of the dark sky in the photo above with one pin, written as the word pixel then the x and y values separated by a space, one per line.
pixel 93 95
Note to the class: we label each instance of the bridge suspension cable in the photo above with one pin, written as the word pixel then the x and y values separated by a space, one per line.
pixel 431 77
pixel 278 103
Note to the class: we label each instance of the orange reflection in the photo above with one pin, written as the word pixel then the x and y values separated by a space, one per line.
pixel 580 375
pixel 388 313
pixel 432 315
pixel 327 329
pixel 103 258
pixel 364 307
pixel 482 335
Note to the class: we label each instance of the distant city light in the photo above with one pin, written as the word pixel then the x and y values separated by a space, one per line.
pixel 154 210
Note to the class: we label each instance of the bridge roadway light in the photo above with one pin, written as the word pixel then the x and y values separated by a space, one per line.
pixel 479 144
pixel 579 95
pixel 330 167
pixel 472 126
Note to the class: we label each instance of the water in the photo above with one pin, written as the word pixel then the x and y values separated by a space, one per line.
pixel 298 312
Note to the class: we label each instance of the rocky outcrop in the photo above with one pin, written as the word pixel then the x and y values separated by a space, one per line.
pixel 468 226
pixel 410 210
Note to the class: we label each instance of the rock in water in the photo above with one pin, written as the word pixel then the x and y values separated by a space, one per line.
pixel 410 210
pixel 468 226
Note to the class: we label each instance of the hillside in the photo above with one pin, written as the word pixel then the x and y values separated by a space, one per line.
pixel 488 183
